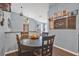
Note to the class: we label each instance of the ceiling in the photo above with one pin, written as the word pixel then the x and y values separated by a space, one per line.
pixel 37 11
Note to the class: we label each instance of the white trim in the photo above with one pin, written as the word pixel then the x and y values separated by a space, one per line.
pixel 54 46
pixel 10 51
pixel 66 50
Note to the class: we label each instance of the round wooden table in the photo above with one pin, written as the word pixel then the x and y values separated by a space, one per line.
pixel 32 43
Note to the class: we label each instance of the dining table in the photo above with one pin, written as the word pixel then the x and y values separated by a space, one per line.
pixel 32 43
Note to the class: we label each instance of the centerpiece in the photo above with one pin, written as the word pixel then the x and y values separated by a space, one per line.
pixel 34 37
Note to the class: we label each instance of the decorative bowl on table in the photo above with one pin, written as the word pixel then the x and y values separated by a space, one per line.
pixel 34 37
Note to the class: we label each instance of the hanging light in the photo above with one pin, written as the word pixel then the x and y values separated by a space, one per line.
pixel 21 14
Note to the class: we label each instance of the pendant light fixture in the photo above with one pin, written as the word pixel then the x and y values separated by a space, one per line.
pixel 21 14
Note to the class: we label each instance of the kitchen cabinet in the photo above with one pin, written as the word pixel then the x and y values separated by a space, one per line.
pixel 68 22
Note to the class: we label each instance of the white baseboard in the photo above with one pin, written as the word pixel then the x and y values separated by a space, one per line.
pixel 10 51
pixel 66 50
pixel 77 54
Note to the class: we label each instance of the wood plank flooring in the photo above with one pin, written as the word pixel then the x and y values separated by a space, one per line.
pixel 56 52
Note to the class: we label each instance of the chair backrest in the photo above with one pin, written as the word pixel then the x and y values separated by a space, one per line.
pixel 47 45
pixel 44 34
pixel 24 35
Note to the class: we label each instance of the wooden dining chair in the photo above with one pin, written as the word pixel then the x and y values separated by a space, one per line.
pixel 24 35
pixel 22 50
pixel 44 34
pixel 47 46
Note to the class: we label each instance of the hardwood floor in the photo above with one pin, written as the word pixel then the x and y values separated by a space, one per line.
pixel 59 52
pixel 56 52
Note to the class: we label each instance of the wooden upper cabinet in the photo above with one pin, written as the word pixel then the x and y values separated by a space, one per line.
pixel 63 23
pixel 63 20
pixel 72 22
pixel 60 23
pixel 5 6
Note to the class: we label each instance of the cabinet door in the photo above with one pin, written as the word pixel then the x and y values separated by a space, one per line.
pixel 60 24
pixel 5 6
pixel 72 22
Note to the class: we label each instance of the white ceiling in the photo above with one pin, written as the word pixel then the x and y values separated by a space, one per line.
pixel 38 11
